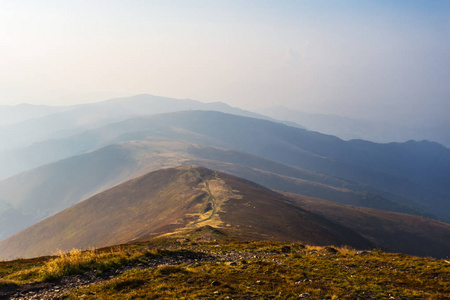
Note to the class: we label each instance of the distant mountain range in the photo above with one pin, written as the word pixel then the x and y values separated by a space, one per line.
pixel 386 169
pixel 14 114
pixel 32 140
pixel 30 124
pixel 354 128
pixel 59 158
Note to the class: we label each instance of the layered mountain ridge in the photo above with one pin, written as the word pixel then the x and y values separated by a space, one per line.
pixel 105 144
pixel 174 201
pixel 42 192
pixel 384 169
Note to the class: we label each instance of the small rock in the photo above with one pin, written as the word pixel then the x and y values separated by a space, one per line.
pixel 286 249
pixel 304 295
pixel 331 250
pixel 233 264
pixel 215 283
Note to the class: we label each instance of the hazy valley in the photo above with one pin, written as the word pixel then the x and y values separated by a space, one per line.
pixel 155 169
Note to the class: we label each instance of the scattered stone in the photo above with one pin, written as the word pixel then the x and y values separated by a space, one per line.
pixel 363 252
pixel 286 249
pixel 215 283
pixel 331 250
pixel 56 290
pixel 304 295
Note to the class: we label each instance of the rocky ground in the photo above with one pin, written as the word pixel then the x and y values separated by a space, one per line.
pixel 231 270
pixel 58 288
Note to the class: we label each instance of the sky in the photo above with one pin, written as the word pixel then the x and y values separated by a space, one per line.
pixel 376 60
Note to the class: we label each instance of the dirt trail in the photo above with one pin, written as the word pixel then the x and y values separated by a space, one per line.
pixel 211 199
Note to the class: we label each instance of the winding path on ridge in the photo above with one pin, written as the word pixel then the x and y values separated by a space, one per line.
pixel 211 199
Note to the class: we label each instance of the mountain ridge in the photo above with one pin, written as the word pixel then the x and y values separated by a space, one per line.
pixel 174 199
pixel 349 128
pixel 62 122
pixel 47 190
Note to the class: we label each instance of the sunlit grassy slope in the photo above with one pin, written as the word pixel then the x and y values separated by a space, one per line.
pixel 47 190
pixel 172 201
pixel 236 270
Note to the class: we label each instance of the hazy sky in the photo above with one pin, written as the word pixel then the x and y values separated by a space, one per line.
pixel 379 59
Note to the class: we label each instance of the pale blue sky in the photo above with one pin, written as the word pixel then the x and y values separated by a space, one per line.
pixel 378 59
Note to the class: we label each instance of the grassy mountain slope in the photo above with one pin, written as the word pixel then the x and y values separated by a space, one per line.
pixel 39 193
pixel 225 269
pixel 172 201
pixel 394 232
